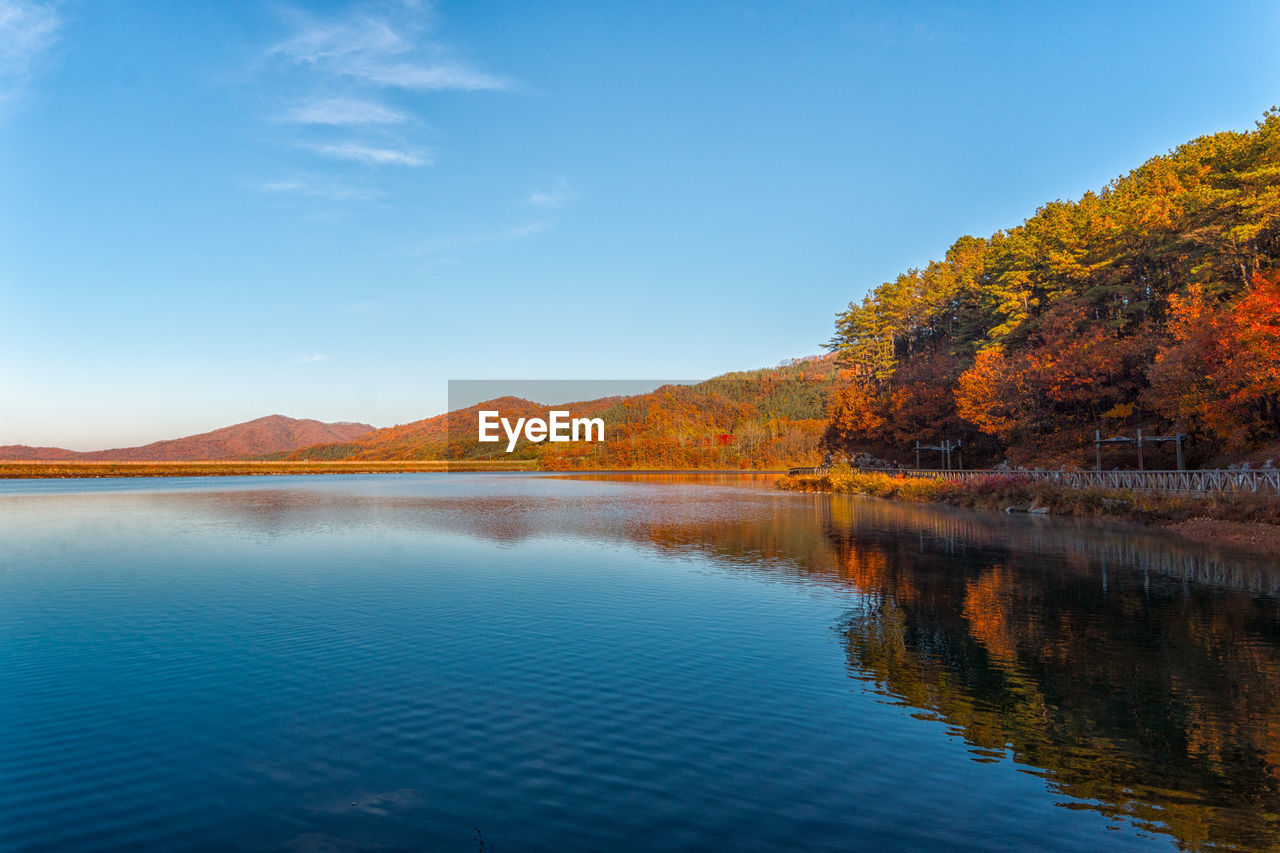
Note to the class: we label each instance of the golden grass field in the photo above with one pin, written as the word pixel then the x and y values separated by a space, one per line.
pixel 68 470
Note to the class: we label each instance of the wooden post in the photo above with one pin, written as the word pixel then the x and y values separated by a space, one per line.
pixel 1181 465
pixel 947 444
pixel 1140 466
pixel 1097 448
pixel 917 454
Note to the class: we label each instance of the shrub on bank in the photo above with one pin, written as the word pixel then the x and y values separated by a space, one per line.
pixel 1019 492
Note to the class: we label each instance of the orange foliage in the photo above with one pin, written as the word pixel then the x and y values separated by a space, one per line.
pixel 992 395
pixel 1221 370
pixel 853 413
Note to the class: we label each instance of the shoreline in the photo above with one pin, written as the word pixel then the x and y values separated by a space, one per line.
pixel 1262 538
pixel 77 469
pixel 96 469
pixel 1246 521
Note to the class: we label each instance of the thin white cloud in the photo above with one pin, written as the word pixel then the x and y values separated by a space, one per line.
pixel 344 111
pixel 556 195
pixel 370 155
pixel 456 241
pixel 530 228
pixel 318 187
pixel 27 31
pixel 284 186
pixel 387 49
pixel 316 42
pixel 406 75
pixel 310 359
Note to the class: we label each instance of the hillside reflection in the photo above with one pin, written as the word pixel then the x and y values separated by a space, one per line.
pixel 1137 674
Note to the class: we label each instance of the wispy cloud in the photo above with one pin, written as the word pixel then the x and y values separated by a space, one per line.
pixel 27 31
pixel 457 241
pixel 528 229
pixel 344 111
pixel 557 194
pixel 319 187
pixel 435 77
pixel 284 186
pixel 310 359
pixel 386 49
pixel 365 59
pixel 370 155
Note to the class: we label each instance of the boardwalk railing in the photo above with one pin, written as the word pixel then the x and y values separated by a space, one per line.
pixel 1258 481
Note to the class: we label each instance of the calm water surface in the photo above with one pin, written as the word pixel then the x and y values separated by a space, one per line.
pixel 612 663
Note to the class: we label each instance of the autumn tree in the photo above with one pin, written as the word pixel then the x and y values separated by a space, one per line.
pixel 853 416
pixel 1220 372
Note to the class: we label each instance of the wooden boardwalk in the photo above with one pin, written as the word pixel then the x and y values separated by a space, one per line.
pixel 1257 481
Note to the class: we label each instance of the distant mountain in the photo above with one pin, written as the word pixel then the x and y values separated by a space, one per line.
pixel 430 438
pixel 23 453
pixel 269 435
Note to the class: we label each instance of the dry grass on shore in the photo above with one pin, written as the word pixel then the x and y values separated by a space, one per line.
pixel 77 470
pixel 1001 491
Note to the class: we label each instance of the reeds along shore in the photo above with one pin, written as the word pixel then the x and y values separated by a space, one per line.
pixel 1014 493
pixel 79 470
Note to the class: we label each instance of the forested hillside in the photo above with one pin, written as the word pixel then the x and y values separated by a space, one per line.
pixel 1153 303
pixel 769 418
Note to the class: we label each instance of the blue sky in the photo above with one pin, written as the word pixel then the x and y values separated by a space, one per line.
pixel 214 211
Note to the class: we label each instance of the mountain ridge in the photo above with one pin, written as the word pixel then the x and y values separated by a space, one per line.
pixel 254 438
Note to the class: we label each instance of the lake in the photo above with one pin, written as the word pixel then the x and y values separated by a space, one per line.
pixel 391 662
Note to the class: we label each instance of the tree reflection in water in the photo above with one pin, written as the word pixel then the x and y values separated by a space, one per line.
pixel 1137 673
pixel 1136 689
